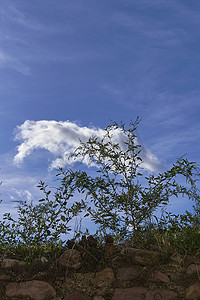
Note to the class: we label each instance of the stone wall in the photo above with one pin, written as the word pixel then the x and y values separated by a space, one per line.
pixel 116 273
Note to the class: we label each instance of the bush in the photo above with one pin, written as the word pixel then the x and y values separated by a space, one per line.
pixel 121 204
pixel 121 199
pixel 39 226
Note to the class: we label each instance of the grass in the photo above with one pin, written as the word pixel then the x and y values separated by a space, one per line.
pixel 184 240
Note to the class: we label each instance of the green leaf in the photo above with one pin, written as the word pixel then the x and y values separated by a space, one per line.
pixel 63 218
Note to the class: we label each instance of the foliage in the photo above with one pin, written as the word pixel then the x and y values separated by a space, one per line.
pixel 121 200
pixel 40 225
pixel 121 204
pixel 182 232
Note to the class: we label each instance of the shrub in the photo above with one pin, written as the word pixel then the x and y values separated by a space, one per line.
pixel 121 199
pixel 121 204
pixel 39 226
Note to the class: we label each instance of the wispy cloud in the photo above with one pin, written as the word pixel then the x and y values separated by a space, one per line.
pixel 181 141
pixel 160 31
pixel 10 13
pixel 62 138
pixel 7 61
pixel 17 186
pixel 14 184
pixel 20 194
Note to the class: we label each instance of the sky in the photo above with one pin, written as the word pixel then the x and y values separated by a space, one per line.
pixel 69 67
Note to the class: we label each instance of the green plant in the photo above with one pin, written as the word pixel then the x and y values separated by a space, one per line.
pixel 121 203
pixel 39 226
pixel 181 232
pixel 121 200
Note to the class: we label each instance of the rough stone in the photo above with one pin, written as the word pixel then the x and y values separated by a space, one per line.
pixel 119 261
pixel 10 263
pixel 4 277
pixel 193 291
pixel 70 259
pixel 141 293
pixel 158 277
pixel 35 289
pixel 98 298
pixel 138 276
pixel 2 290
pixel 161 294
pixel 175 276
pixel 104 276
pixel 177 258
pixel 143 257
pixel 193 268
pixel 129 273
pixel 76 297
pixel 136 293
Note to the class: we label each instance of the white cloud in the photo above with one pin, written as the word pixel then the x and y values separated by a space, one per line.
pixel 16 185
pixel 62 138
pixel 16 194
pixel 7 61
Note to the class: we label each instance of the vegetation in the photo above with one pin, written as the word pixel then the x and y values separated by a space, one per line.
pixel 121 200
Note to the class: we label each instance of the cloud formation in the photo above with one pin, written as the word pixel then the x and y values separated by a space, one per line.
pixel 7 61
pixel 62 138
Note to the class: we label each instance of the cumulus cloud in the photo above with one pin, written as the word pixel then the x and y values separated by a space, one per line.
pixel 62 138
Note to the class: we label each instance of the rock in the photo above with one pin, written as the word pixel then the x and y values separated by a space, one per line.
pixel 161 294
pixel 193 292
pixel 136 293
pixel 177 258
pixel 35 289
pixel 4 277
pixel 119 261
pixel 76 297
pixel 129 273
pixel 98 298
pixel 104 276
pixel 10 263
pixel 140 293
pixel 2 290
pixel 193 268
pixel 158 277
pixel 143 257
pixel 70 259
pixel 176 276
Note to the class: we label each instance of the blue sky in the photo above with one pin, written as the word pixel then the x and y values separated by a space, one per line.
pixel 67 67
